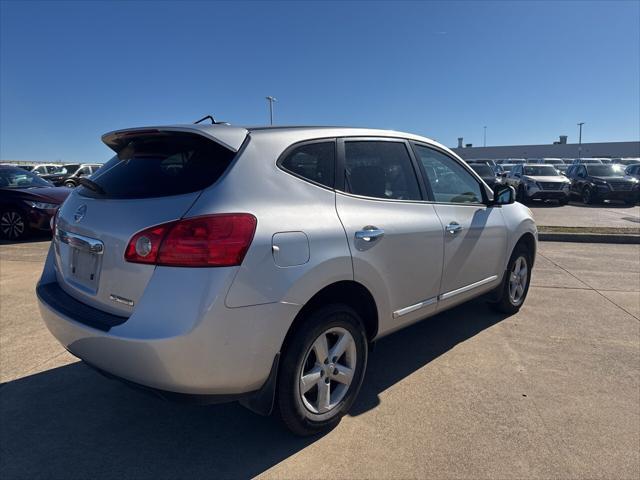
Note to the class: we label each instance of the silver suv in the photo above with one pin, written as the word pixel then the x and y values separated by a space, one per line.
pixel 218 263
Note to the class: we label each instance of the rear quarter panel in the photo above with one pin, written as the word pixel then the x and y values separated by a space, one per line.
pixel 281 203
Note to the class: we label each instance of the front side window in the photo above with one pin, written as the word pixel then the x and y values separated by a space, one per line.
pixel 450 182
pixel 380 169
pixel 313 161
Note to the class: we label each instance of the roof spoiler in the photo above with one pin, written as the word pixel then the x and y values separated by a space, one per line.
pixel 225 135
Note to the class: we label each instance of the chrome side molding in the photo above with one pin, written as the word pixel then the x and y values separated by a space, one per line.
pixel 444 296
pixel 466 288
pixel 413 308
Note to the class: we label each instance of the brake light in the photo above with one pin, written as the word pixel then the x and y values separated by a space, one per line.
pixel 209 241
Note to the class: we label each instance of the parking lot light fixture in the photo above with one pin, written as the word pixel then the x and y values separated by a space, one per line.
pixel 580 140
pixel 271 100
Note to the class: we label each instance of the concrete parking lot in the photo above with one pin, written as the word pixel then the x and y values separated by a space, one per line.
pixel 552 392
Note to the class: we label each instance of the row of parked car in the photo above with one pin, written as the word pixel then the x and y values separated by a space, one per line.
pixel 31 194
pixel 591 180
pixel 67 175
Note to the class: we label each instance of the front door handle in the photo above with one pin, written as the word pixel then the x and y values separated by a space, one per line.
pixel 454 227
pixel 369 234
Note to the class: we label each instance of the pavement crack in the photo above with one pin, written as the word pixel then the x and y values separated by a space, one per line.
pixel 590 287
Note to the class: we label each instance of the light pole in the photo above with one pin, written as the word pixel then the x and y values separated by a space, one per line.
pixel 485 136
pixel 271 99
pixel 580 140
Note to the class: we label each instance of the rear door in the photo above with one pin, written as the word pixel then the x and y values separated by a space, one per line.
pixel 475 236
pixel 395 237
pixel 155 178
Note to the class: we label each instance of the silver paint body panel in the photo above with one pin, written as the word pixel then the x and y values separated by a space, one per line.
pixel 217 330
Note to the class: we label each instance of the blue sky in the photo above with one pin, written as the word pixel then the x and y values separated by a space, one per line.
pixel 529 71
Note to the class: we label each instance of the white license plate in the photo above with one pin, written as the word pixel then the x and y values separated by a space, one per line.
pixel 84 268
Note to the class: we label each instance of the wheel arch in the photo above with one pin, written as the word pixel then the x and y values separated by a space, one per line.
pixel 348 292
pixel 529 241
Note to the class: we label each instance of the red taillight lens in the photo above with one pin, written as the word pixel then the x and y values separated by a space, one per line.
pixel 208 241
pixel 152 239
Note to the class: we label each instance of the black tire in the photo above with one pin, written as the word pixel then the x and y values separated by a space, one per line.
pixel 296 355
pixel 13 224
pixel 564 201
pixel 588 198
pixel 503 301
pixel 70 184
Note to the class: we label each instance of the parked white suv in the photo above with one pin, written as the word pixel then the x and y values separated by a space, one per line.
pixel 224 263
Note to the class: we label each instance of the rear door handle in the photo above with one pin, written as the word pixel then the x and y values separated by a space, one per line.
pixel 369 234
pixel 454 227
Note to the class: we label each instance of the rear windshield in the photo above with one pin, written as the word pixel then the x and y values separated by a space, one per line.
pixel 161 165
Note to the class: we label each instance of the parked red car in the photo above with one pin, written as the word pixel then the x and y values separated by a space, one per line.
pixel 27 202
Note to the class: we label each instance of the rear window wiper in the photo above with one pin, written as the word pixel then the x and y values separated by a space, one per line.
pixel 91 185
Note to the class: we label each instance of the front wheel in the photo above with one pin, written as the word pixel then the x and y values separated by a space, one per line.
pixel 69 184
pixel 13 225
pixel 515 285
pixel 587 196
pixel 322 370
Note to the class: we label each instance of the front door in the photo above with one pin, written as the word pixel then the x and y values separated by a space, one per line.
pixel 475 237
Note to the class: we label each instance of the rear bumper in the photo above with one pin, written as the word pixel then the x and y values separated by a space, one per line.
pixel 202 349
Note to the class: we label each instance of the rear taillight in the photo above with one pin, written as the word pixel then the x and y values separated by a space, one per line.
pixel 210 241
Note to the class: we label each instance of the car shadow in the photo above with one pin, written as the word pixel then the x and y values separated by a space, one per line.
pixel 70 422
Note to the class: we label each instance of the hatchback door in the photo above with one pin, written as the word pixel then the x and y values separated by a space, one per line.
pixel 155 178
pixel 395 238
pixel 475 236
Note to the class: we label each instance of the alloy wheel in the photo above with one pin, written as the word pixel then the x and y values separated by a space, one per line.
pixel 518 279
pixel 327 372
pixel 12 225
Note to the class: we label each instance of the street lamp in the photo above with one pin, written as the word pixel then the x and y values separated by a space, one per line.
pixel 580 140
pixel 271 99
pixel 485 136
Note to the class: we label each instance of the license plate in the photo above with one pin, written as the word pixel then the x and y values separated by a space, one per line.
pixel 84 268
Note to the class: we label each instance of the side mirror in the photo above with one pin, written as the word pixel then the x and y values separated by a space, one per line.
pixel 504 195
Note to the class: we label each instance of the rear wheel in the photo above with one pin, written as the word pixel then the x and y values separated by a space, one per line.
pixel 563 201
pixel 13 225
pixel 514 288
pixel 322 369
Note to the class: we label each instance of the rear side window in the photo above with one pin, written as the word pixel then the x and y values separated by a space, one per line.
pixel 381 170
pixel 161 165
pixel 313 161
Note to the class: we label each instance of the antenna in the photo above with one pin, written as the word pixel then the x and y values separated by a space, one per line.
pixel 213 122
